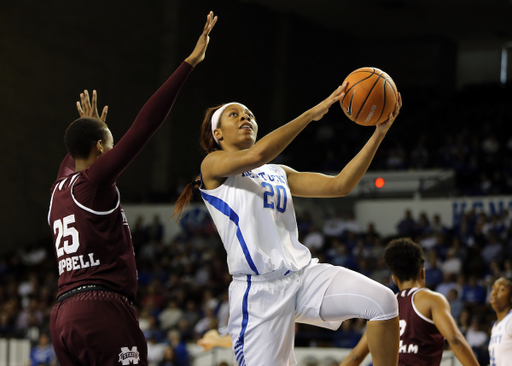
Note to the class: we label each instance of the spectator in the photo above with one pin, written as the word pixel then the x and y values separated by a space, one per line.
pixel 477 339
pixel 447 285
pixel 456 305
pixel 156 229
pixel 314 240
pixel 473 293
pixel 452 264
pixel 181 356
pixel 335 226
pixel 406 226
pixel 170 316
pixel 493 250
pixel 168 358
pixel 156 351
pixel 433 274
pixel 43 354
pixel 437 226
pixel 206 323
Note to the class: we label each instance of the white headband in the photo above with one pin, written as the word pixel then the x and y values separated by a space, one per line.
pixel 218 113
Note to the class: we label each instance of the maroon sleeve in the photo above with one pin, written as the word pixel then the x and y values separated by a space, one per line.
pixel 105 170
pixel 67 167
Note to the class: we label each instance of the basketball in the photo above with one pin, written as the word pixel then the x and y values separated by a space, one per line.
pixel 370 97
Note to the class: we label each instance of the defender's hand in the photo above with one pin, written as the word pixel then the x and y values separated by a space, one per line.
pixel 202 44
pixel 86 109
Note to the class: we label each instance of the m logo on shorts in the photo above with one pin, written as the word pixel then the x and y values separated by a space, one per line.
pixel 129 356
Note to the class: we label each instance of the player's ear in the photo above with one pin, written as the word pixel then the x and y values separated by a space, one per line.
pixel 395 281
pixel 218 134
pixel 99 146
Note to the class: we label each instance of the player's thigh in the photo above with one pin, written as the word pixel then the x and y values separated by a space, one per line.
pixel 99 328
pixel 353 295
pixel 261 322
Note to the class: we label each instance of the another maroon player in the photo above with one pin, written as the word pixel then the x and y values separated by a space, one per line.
pixel 425 318
pixel 94 322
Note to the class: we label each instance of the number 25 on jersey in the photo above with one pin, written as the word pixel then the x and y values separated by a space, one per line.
pixel 63 230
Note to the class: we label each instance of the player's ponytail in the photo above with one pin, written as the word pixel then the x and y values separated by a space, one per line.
pixel 209 145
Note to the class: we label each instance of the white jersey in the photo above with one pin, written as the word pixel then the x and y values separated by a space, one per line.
pixel 255 218
pixel 500 345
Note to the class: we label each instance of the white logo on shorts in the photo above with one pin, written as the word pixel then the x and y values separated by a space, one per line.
pixel 129 356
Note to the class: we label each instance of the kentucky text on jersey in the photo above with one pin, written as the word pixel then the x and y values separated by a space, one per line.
pixel 495 340
pixel 265 176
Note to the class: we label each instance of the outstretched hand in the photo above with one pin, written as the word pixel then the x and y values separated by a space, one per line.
pixel 318 111
pixel 385 126
pixel 202 44
pixel 211 339
pixel 86 109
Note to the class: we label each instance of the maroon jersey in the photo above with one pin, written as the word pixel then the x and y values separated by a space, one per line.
pixel 92 247
pixel 91 236
pixel 421 344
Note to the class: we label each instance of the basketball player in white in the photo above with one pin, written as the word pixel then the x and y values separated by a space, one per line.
pixel 500 345
pixel 275 281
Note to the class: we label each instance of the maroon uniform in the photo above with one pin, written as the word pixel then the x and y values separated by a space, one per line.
pixel 421 344
pixel 94 250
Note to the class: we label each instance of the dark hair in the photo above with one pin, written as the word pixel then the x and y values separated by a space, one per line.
pixel 208 144
pixel 82 134
pixel 404 258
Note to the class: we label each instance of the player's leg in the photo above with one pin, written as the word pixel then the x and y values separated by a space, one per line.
pixel 100 328
pixel 383 339
pixel 352 295
pixel 261 321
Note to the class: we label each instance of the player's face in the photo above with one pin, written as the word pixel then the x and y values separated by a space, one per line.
pixel 501 295
pixel 238 126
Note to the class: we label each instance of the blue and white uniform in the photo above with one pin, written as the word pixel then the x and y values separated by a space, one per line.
pixel 500 345
pixel 275 281
pixel 263 239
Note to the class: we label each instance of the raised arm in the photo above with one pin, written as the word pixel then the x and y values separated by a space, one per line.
pixel 221 164
pixel 105 170
pixel 358 353
pixel 446 325
pixel 304 184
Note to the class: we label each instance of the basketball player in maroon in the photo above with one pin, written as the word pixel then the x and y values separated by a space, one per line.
pixel 93 321
pixel 425 318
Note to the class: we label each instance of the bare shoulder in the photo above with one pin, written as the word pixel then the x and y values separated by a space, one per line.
pixel 210 181
pixel 432 298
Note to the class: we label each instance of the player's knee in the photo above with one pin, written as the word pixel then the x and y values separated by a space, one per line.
pixel 388 305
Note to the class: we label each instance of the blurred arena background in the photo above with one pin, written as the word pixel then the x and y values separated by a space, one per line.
pixel 446 163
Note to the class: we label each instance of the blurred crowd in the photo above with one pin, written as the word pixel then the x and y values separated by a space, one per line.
pixel 183 283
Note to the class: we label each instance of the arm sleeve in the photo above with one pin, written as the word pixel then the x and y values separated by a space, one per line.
pixel 105 170
pixel 67 167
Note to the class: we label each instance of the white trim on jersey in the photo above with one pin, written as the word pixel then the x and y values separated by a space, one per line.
pixel 51 203
pixel 100 213
pixel 416 310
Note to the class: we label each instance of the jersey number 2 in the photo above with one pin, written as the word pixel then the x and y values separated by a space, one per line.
pixel 268 197
pixel 63 230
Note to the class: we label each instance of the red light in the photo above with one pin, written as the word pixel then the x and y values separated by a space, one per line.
pixel 379 182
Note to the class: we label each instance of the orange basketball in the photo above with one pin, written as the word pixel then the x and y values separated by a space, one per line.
pixel 370 96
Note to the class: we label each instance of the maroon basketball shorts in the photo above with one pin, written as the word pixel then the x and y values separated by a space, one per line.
pixel 97 328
